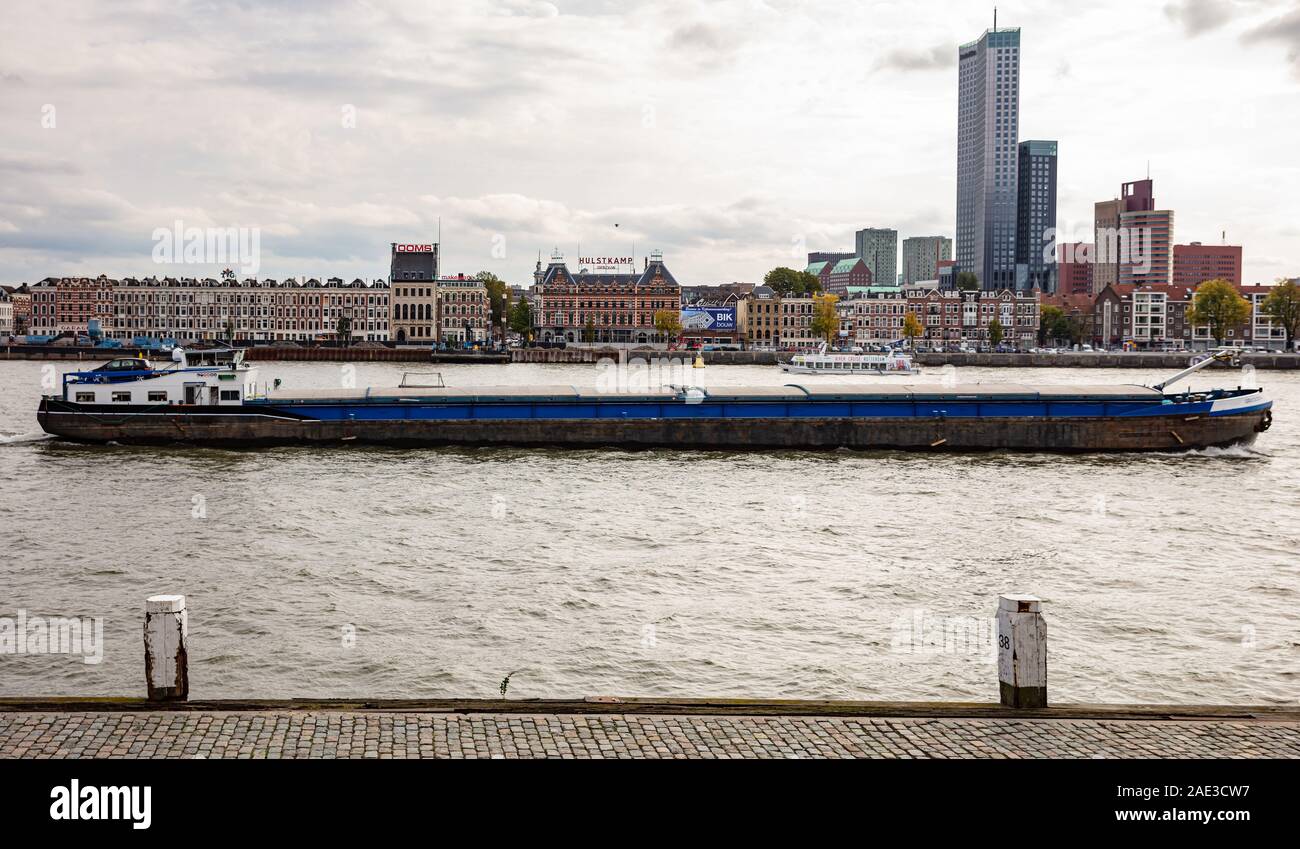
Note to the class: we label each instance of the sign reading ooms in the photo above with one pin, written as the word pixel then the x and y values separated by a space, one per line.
pixel 709 318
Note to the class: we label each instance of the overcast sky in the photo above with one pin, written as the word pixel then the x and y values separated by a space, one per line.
pixel 733 136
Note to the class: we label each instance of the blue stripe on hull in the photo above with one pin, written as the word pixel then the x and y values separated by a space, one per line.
pixel 802 409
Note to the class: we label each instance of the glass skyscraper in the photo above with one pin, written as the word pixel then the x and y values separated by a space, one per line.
pixel 988 126
pixel 1036 216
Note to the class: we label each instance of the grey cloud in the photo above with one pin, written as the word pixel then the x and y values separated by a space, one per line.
pixel 1284 30
pixel 34 164
pixel 933 59
pixel 696 36
pixel 1199 16
pixel 462 98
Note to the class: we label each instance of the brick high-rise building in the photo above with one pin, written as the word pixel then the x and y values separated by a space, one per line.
pixel 1150 239
pixel 1196 263
pixel 1105 244
pixel 988 116
pixel 1074 268
pixel 1139 249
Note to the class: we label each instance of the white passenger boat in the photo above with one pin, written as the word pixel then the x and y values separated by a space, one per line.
pixel 843 365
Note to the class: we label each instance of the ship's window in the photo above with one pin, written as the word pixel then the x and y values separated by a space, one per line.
pixel 122 396
pixel 85 397
pixel 230 395
pixel 157 396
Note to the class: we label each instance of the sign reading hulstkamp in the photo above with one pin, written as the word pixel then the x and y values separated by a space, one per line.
pixel 709 318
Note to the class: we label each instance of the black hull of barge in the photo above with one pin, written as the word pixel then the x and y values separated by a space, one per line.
pixel 247 430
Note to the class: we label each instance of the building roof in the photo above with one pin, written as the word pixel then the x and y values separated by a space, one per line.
pixel 874 290
pixel 1068 302
pixel 654 266
pixel 816 268
pixel 844 266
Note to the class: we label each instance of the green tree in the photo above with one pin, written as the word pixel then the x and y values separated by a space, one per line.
pixel 1050 321
pixel 995 333
pixel 344 329
pixel 787 282
pixel 589 331
pixel 826 317
pixel 669 323
pixel 912 328
pixel 498 295
pixel 1219 306
pixel 967 281
pixel 230 332
pixel 1076 327
pixel 1282 306
pixel 521 318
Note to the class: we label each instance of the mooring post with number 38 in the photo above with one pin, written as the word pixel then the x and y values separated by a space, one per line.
pixel 1022 651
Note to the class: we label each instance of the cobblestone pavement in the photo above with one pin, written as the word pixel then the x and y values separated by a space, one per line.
pixel 356 734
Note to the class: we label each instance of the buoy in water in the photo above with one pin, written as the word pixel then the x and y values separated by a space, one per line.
pixel 699 361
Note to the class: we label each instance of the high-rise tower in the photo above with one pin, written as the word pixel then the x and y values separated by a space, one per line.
pixel 1036 216
pixel 988 124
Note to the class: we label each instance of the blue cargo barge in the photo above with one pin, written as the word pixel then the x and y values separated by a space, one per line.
pixel 211 399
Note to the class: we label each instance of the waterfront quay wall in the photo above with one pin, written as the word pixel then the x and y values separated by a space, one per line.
pixel 92 355
pixel 367 355
pixel 1131 359
pixel 1155 360
pixel 1152 360
pixel 594 355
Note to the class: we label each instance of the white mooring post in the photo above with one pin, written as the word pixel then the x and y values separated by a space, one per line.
pixel 1022 651
pixel 166 659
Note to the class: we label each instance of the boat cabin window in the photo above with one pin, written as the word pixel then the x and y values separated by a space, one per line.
pixel 157 396
pixel 122 396
pixel 230 395
pixel 85 397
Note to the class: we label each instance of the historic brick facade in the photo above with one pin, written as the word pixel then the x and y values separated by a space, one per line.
pixel 612 307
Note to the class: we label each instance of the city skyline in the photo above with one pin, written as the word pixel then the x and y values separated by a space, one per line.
pixel 708 157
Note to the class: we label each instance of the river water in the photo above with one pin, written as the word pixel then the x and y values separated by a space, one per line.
pixel 438 572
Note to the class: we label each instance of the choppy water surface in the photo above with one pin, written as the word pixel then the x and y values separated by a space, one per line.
pixel 1169 578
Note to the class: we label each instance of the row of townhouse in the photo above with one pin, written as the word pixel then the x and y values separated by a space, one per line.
pixel 876 315
pixel 1154 317
pixel 454 309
